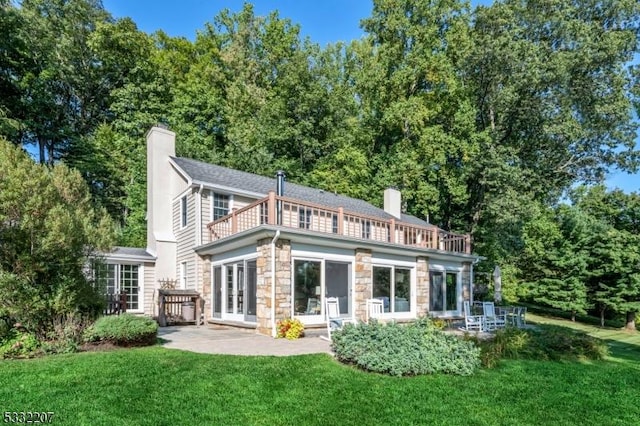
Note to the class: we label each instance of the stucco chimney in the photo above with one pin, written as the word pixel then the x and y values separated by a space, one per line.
pixel 161 188
pixel 393 202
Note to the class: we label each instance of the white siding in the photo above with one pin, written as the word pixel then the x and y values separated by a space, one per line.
pixel 185 237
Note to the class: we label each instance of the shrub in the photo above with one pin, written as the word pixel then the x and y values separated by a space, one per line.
pixel 291 328
pixel 412 349
pixel 19 344
pixel 545 343
pixel 124 330
pixel 67 334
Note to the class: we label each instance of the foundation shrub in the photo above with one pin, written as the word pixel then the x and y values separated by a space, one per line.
pixel 404 350
pixel 123 330
pixel 545 343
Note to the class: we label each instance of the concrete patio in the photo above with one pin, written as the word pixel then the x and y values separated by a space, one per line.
pixel 205 339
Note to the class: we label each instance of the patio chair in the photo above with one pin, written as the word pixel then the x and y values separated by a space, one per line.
pixel 493 320
pixel 375 308
pixel 519 316
pixel 313 306
pixel 472 322
pixel 332 312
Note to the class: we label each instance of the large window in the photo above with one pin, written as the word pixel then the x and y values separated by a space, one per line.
pixel 315 280
pixel 220 206
pixel 392 285
pixel 217 292
pixel 443 291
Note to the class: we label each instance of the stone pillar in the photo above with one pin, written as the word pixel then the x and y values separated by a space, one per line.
pixel 466 280
pixel 283 300
pixel 205 291
pixel 422 285
pixel 364 282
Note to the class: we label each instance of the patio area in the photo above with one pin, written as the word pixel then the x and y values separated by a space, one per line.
pixel 205 339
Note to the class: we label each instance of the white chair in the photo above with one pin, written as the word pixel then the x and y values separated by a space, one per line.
pixel 493 320
pixel 375 308
pixel 472 322
pixel 332 312
pixel 519 316
pixel 313 306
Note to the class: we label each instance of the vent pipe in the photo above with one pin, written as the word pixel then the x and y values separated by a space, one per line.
pixel 280 176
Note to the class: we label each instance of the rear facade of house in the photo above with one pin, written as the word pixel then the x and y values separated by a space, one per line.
pixel 260 249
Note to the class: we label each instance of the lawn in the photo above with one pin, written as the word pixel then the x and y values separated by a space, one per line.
pixel 158 386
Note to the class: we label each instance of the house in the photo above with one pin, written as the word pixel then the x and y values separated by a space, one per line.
pixel 260 249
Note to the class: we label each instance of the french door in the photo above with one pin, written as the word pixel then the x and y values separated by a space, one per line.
pixel 444 292
pixel 123 278
pixel 235 295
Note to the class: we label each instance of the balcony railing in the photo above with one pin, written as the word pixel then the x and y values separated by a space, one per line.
pixel 290 213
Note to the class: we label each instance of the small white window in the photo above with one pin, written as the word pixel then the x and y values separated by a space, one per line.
pixel 183 275
pixel 220 206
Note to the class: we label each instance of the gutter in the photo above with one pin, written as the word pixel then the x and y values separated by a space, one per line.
pixel 273 283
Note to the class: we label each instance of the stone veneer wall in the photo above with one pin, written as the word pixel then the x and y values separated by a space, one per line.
pixel 466 280
pixel 422 285
pixel 364 282
pixel 283 283
pixel 205 291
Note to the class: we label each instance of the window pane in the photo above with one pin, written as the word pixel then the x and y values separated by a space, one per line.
pixel 129 284
pixel 452 293
pixel 435 291
pixel 240 289
pixel 217 291
pixel 307 296
pixel 402 290
pixel 183 210
pixel 337 284
pixel 220 206
pixel 229 289
pixel 252 282
pixel 382 285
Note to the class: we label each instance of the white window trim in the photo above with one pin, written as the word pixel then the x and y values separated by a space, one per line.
pixel 212 192
pixel 183 275
pixel 448 269
pixel 141 300
pixel 224 315
pixel 411 266
pixel 310 257
pixel 184 211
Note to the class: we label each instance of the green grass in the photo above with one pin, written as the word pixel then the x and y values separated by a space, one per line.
pixel 157 386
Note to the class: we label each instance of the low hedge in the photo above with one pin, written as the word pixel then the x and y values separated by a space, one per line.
pixel 547 343
pixel 404 350
pixel 124 330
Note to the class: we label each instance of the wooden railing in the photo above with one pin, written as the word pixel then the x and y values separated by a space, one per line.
pixel 115 304
pixel 291 213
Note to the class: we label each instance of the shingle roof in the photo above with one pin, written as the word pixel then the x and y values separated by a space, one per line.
pixel 129 252
pixel 222 176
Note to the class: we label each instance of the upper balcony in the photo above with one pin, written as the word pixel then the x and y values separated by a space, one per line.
pixel 291 213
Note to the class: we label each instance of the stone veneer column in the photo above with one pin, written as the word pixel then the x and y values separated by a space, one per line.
pixel 466 280
pixel 283 283
pixel 364 282
pixel 205 291
pixel 422 285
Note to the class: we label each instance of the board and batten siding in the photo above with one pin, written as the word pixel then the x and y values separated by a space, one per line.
pixel 185 237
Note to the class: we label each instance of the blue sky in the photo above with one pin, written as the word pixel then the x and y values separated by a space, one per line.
pixel 324 21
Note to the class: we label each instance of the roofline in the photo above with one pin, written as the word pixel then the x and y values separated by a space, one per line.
pixel 181 171
pixel 310 237
pixel 121 257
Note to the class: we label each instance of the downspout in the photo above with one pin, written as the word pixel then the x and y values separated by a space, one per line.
pixel 273 283
pixel 198 238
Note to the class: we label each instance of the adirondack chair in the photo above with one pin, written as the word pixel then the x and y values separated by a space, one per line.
pixel 472 322
pixel 375 308
pixel 493 320
pixel 332 312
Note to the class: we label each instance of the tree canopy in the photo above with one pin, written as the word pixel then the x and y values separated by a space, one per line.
pixel 483 118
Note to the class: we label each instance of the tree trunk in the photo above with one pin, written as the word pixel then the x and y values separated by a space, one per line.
pixel 601 317
pixel 631 321
pixel 573 316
